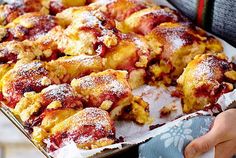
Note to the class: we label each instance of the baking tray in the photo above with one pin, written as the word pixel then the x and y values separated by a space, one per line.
pixel 6 111
pixel 108 152
pixel 105 154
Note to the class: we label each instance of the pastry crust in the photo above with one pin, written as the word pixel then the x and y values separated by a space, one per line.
pixel 204 80
pixel 13 9
pixel 25 77
pixel 108 90
pixel 29 26
pixel 89 128
pixel 180 43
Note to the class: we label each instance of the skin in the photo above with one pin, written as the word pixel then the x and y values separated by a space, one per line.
pixel 222 136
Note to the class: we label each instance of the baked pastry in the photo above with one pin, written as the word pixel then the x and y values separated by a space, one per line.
pixel 29 26
pixel 34 106
pixel 180 43
pixel 70 67
pixel 25 77
pixel 205 79
pixel 90 32
pixel 145 20
pixel 138 16
pixel 57 6
pixel 121 51
pixel 35 75
pixel 133 54
pixel 120 9
pixel 88 128
pixel 67 72
pixel 108 90
pixel 12 9
pixel 12 51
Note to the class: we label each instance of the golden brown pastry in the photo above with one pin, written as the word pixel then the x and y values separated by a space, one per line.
pixel 88 128
pixel 57 6
pixel 145 20
pixel 90 32
pixel 132 54
pixel 137 16
pixel 33 107
pixel 67 71
pixel 205 79
pixel 120 9
pixel 70 67
pixel 180 43
pixel 25 77
pixel 29 26
pixel 108 90
pixel 12 51
pixel 13 9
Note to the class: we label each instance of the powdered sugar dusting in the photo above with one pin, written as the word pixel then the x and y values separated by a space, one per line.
pixel 115 87
pixel 92 117
pixel 208 68
pixel 86 19
pixel 107 82
pixel 84 59
pixel 87 82
pixel 59 92
pixel 141 45
pixel 33 68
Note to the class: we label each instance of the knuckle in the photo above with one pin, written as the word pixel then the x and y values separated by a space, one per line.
pixel 205 147
pixel 201 147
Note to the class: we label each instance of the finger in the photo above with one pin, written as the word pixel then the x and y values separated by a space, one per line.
pixel 226 149
pixel 221 131
pixel 200 145
pixel 205 142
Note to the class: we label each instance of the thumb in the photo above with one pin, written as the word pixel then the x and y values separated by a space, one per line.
pixel 202 144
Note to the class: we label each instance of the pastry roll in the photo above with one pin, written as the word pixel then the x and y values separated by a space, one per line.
pixel 180 43
pixel 88 128
pixel 12 9
pixel 69 67
pixel 145 20
pixel 132 54
pixel 25 77
pixel 90 32
pixel 205 79
pixel 108 90
pixel 29 26
pixel 33 107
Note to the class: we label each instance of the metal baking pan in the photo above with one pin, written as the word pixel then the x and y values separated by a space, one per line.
pixel 105 154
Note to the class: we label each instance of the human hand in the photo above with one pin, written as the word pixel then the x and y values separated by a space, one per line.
pixel 222 136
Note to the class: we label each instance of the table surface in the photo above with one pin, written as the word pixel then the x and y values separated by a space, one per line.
pixel 13 144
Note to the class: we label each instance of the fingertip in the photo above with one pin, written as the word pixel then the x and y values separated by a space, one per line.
pixel 199 146
pixel 190 151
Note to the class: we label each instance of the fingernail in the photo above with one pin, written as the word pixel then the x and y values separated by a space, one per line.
pixel 191 153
